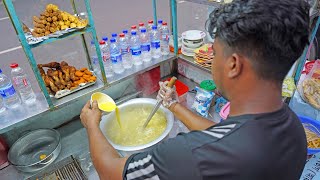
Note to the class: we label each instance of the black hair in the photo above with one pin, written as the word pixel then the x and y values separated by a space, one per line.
pixel 272 33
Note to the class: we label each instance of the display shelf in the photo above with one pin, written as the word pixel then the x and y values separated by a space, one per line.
pixel 68 35
pixel 98 86
pixel 22 112
pixel 190 60
pixel 135 70
pixel 205 2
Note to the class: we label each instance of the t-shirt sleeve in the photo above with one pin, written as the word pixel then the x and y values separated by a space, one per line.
pixel 171 159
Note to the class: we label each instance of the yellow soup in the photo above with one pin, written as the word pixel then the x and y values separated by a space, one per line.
pixel 131 132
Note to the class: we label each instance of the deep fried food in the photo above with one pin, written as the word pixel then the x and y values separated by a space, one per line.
pixel 79 73
pixel 72 73
pixel 52 65
pixel 88 72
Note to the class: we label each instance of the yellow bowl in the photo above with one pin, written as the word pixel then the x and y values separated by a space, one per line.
pixel 105 102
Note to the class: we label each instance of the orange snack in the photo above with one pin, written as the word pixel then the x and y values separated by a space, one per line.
pixel 79 73
pixel 93 78
pixel 83 69
pixel 88 72
pixel 86 76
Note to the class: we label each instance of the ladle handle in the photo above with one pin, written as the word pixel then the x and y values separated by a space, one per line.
pixel 172 82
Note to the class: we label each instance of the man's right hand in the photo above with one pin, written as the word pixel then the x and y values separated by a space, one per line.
pixel 168 95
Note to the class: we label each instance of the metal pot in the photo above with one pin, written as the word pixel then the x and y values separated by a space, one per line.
pixel 128 150
pixel 26 151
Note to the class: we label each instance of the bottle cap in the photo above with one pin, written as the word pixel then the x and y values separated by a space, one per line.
pixel 125 31
pixel 133 33
pixel 154 27
pixel 114 35
pixel 102 42
pixel 141 24
pixel 121 35
pixel 0 71
pixel 133 27
pixel 208 85
pixel 14 65
pixel 150 22
pixel 164 23
pixel 92 42
pixel 105 38
pixel 160 21
pixel 112 40
pixel 143 30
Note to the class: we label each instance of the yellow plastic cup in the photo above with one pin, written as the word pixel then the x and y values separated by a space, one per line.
pixel 105 102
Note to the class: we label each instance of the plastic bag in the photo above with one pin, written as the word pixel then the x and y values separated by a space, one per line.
pixel 202 101
pixel 309 87
pixel 288 87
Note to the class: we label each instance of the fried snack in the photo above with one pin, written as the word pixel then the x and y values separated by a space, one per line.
pixel 79 73
pixel 311 91
pixel 54 18
pixel 72 73
pixel 47 33
pixel 42 17
pixel 313 139
pixel 64 27
pixel 25 28
pixel 46 14
pixel 61 78
pixel 52 65
pixel 35 34
pixel 52 29
pixel 83 69
pixel 47 28
pixel 88 72
pixel 63 63
pixel 73 25
pixel 54 74
pixel 37 25
pixel 49 19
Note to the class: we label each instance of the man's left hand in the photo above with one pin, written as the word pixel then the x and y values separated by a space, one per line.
pixel 90 117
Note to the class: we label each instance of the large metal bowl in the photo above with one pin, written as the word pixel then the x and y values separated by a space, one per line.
pixel 128 150
pixel 25 152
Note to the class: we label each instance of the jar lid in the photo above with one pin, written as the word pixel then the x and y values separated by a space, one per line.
pixel 208 85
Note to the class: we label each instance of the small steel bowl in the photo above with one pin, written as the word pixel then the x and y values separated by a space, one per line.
pixel 26 151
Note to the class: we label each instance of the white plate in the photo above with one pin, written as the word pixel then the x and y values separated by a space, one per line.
pixel 193 35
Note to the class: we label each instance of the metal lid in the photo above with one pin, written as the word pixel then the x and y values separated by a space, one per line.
pixel 208 85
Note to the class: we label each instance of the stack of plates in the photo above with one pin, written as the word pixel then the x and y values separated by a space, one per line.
pixel 204 55
pixel 191 40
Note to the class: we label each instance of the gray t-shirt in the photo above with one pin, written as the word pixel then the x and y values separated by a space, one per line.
pixel 268 146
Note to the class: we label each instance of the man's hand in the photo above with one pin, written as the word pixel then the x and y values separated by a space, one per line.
pixel 90 117
pixel 168 95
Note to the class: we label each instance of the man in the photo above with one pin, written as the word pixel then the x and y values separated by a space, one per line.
pixel 256 43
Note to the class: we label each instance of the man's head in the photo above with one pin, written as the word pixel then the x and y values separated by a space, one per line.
pixel 257 41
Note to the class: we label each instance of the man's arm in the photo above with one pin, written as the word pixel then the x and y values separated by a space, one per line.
pixel 105 158
pixel 190 119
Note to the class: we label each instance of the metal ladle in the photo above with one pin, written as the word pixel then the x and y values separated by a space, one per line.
pixel 156 107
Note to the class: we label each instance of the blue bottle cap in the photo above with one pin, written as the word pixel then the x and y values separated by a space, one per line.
pixel 114 35
pixel 113 40
pixel 125 31
pixel 160 21
pixel 133 33
pixel 143 30
pixel 92 42
pixel 105 38
pixel 0 71
pixel 154 27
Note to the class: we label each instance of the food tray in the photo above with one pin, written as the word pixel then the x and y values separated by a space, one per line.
pixel 65 92
pixel 35 40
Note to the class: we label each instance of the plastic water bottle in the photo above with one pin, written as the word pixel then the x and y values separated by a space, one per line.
pixel 133 29
pixel 155 43
pixel 105 53
pixel 125 51
pixel 165 37
pixel 135 49
pixel 145 46
pixel 159 25
pixel 116 57
pixel 21 82
pixel 8 93
pixel 115 36
pixel 94 57
pixel 2 107
pixel 126 35
pixel 150 24
pixel 141 26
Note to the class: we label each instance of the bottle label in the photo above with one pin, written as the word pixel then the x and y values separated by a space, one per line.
pixel 145 47
pixel 135 51
pixel 7 92
pixel 105 57
pixel 117 58
pixel 165 37
pixel 25 82
pixel 125 50
pixel 155 44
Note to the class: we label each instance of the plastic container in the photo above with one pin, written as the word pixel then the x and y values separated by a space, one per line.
pixel 126 35
pixel 204 97
pixel 165 38
pixel 150 24
pixel 115 36
pixel 315 123
pixel 94 57
pixel 145 46
pixel 134 29
pixel 159 24
pixel 141 26
pixel 22 84
pixel 155 43
pixel 225 110
pixel 125 51
pixel 105 53
pixel 116 57
pixel 8 93
pixel 135 47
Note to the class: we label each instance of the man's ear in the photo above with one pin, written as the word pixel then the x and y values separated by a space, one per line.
pixel 234 65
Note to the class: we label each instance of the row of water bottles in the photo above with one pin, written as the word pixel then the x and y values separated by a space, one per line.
pixel 9 96
pixel 140 46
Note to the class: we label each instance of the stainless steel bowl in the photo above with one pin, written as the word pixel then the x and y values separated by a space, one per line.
pixel 26 151
pixel 128 150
